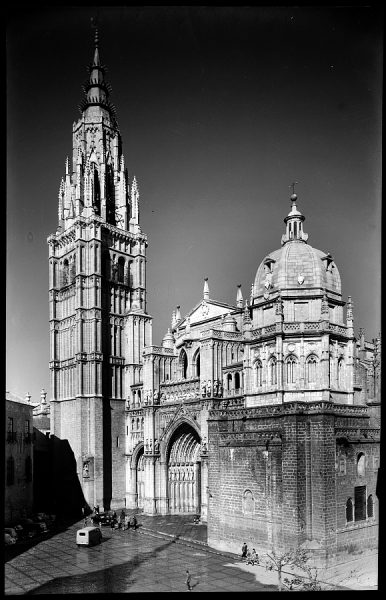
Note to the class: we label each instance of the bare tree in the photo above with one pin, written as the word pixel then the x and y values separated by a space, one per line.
pixel 297 558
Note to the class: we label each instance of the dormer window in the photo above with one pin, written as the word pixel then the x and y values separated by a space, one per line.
pixel 328 262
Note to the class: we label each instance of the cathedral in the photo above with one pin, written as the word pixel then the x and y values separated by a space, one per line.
pixel 262 416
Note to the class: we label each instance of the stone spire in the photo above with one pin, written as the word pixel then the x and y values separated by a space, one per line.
pixel 206 289
pixel 294 223
pixel 239 297
pixel 178 314
pixel 96 88
pixel 43 396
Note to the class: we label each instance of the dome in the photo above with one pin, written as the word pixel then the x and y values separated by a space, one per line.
pixel 296 265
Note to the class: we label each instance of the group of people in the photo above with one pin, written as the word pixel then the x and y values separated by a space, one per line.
pixel 124 521
pixel 251 558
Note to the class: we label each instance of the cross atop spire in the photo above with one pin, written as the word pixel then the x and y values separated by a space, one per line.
pixel 293 186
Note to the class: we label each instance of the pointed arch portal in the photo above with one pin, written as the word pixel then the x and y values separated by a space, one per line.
pixel 184 471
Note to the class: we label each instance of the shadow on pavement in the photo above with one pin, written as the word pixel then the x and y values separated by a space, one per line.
pixel 115 579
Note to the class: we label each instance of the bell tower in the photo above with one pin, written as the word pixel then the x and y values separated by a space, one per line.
pixel 97 297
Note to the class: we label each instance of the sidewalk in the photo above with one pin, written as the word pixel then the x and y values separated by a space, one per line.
pixel 361 573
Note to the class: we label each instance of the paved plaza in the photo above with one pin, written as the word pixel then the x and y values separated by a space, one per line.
pixel 154 558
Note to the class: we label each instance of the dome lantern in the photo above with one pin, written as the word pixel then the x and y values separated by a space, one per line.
pixel 294 223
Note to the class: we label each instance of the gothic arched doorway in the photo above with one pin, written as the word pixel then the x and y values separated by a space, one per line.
pixel 141 481
pixel 184 471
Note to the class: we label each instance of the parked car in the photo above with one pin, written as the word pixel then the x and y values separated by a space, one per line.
pixel 10 536
pixel 105 519
pixel 33 528
pixel 88 536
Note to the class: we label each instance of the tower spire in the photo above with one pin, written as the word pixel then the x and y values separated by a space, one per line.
pixel 96 89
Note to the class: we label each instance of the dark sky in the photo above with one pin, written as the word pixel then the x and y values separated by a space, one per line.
pixel 220 109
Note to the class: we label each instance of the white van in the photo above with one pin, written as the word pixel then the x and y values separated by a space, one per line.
pixel 88 536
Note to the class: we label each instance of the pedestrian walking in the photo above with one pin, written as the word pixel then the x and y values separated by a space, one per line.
pixel 188 580
pixel 112 523
pixel 122 518
pixel 244 551
pixel 134 522
pixel 127 522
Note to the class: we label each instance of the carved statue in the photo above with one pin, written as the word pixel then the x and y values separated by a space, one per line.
pixel 86 472
pixel 150 446
pixel 156 446
pixel 155 397
pixel 215 388
pixel 203 390
pixel 208 388
pixel 204 447
pixel 220 389
pixel 147 445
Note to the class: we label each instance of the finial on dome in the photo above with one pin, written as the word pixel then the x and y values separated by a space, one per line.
pixel 293 195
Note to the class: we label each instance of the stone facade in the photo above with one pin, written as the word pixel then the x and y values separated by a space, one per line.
pixel 246 412
pixel 18 497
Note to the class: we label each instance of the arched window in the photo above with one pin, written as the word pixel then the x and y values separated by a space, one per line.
pixel 229 381
pixel 65 272
pixel 10 470
pixel 332 382
pixel 291 364
pixel 349 510
pixel 139 397
pixel 197 364
pixel 248 502
pixel 237 381
pixel 361 464
pixel 341 373
pixel 138 423
pixel 28 469
pixel 132 424
pixel 121 270
pixel 311 369
pixel 96 191
pixel 272 371
pixel 184 364
pixel 370 506
pixel 72 270
pixel 259 373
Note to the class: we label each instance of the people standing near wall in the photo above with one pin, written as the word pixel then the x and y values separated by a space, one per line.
pixel 244 551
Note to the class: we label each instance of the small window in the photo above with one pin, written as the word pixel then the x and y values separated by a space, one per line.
pixel 237 381
pixel 291 369
pixel 259 373
pixel 117 441
pixel 349 510
pixel 360 503
pixel 229 382
pixel 342 465
pixel 311 369
pixel 370 506
pixel 361 464
pixel 272 371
